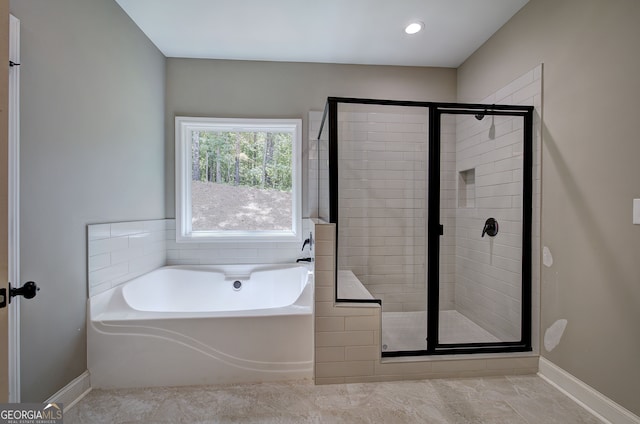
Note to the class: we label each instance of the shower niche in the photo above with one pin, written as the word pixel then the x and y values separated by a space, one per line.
pixel 467 188
pixel 410 187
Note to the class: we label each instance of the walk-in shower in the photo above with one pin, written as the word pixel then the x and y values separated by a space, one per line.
pixel 433 204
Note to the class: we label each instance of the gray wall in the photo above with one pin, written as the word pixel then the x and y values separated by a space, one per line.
pixel 223 88
pixel 92 146
pixel 590 174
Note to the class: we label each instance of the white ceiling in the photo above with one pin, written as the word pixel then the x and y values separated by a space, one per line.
pixel 331 31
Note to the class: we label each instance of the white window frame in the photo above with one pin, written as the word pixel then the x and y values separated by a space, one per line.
pixel 184 126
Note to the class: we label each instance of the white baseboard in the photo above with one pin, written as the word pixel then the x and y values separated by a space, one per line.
pixel 71 394
pixel 585 395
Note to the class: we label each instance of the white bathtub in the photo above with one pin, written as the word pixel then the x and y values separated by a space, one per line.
pixel 189 325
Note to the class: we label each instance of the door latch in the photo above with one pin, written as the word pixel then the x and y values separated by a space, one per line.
pixel 29 291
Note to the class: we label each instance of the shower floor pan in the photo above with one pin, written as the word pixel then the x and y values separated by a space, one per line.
pixel 408 330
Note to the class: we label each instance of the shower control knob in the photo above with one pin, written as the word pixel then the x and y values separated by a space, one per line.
pixel 490 227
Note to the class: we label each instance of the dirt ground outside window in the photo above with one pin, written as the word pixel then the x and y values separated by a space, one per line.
pixel 225 207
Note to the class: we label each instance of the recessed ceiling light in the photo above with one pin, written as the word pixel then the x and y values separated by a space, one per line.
pixel 414 27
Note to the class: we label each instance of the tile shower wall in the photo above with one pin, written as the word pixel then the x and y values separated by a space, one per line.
pixel 489 170
pixel 118 252
pixel 400 291
pixel 315 120
pixel 382 203
pixel 318 167
pixel 448 204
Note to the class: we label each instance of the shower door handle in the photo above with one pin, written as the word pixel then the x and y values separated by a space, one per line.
pixel 490 227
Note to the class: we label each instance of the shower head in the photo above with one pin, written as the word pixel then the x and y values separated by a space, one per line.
pixel 480 116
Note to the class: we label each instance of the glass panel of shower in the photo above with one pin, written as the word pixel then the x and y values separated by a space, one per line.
pixel 382 210
pixel 432 204
pixel 483 281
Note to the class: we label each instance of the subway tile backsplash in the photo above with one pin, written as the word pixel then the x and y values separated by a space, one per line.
pixel 121 251
pixel 118 252
pixel 236 253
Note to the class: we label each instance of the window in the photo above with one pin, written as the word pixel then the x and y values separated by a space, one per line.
pixel 238 179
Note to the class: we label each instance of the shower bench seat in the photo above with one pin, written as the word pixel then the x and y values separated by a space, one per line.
pixel 351 288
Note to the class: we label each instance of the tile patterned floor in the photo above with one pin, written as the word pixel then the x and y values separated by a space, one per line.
pixel 495 400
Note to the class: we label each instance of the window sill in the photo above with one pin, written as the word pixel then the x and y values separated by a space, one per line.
pixel 238 237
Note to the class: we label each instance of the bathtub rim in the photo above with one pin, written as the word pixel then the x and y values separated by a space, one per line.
pixel 111 306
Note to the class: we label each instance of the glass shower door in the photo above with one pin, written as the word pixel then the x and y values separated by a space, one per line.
pixel 484 212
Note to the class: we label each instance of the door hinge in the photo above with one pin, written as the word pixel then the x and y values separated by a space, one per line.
pixel 3 298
